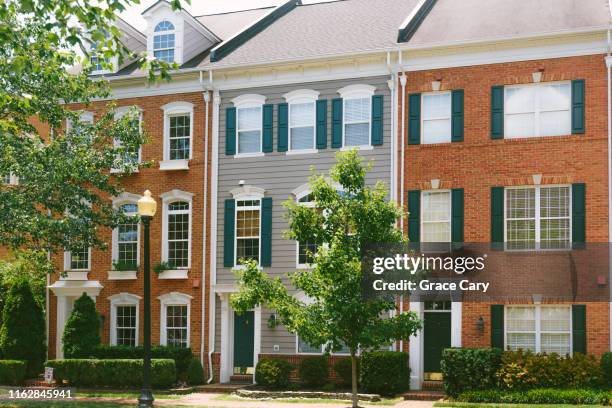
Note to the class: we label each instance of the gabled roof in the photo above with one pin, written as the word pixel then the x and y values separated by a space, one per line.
pixel 317 30
pixel 456 21
pixel 224 25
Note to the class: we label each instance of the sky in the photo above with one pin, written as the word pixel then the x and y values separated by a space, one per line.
pixel 199 7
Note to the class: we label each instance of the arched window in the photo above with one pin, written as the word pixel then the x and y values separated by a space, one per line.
pixel 163 41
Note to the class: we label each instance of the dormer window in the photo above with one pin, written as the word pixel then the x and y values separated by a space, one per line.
pixel 164 41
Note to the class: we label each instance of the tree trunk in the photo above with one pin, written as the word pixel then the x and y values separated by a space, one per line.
pixel 354 379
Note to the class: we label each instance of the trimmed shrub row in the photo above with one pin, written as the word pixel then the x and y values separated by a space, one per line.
pixel 469 369
pixel 384 372
pixel 273 372
pixel 538 396
pixel 112 373
pixel 12 372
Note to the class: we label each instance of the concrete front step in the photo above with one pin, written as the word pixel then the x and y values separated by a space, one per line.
pixel 241 379
pixel 423 395
pixel 432 385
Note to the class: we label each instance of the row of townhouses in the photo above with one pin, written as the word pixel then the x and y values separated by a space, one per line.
pixel 487 120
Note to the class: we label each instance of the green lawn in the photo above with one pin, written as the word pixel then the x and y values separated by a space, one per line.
pixel 384 402
pixel 476 405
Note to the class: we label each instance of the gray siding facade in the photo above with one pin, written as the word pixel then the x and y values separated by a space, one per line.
pixel 279 174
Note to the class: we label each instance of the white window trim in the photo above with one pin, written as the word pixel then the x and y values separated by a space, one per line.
pixel 246 193
pixel 85 117
pixel 450 211
pixel 243 102
pixel 302 96
pixel 124 198
pixel 449 117
pixel 302 192
pixel 538 323
pixel 356 91
pixel 114 61
pixel 537 130
pixel 120 113
pixel 67 263
pixel 13 180
pixel 168 198
pixel 173 299
pixel 176 109
pixel 157 16
pixel 122 299
pixel 537 217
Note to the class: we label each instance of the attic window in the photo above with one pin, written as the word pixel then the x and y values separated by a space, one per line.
pixel 163 44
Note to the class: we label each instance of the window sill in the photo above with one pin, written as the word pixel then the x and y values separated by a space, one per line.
pixel 363 147
pixel 75 275
pixel 173 274
pixel 243 267
pixel 119 171
pixel 122 275
pixel 243 155
pixel 303 151
pixel 174 165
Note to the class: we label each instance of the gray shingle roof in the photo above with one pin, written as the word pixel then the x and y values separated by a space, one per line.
pixel 476 20
pixel 224 25
pixel 321 29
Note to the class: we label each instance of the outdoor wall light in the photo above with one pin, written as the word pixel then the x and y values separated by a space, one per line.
pixel 272 321
pixel 480 323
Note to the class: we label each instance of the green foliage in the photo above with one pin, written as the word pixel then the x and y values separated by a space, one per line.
pixel 525 370
pixel 344 223
pixel 181 356
pixel 12 372
pixel 273 372
pixel 343 367
pixel 606 367
pixel 162 266
pixel 82 330
pixel 385 372
pixel 314 371
pixel 22 336
pixel 195 372
pixel 33 266
pixel 469 369
pixel 112 373
pixel 538 396
pixel 124 266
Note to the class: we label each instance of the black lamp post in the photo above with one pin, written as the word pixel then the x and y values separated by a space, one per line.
pixel 146 209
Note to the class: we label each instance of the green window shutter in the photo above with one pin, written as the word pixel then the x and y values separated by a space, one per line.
pixel 268 110
pixel 230 131
pixel 414 215
pixel 497 326
pixel 497 112
pixel 579 339
pixel 457 115
pixel 266 232
pixel 578 106
pixel 457 215
pixel 336 123
pixel 497 217
pixel 377 120
pixel 414 119
pixel 228 233
pixel 322 124
pixel 578 215
pixel 283 127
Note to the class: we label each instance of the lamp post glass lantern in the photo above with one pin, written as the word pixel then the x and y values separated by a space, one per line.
pixel 146 209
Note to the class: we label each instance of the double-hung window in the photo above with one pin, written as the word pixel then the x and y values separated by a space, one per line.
pixel 538 217
pixel 79 259
pixel 176 326
pixel 164 39
pixel 248 227
pixel 357 117
pixel 178 234
pixel 306 249
pixel 178 135
pixel 302 347
pixel 302 119
pixel 125 325
pixel 540 328
pixel 129 157
pixel 436 117
pixel 542 109
pixel 436 216
pixel 127 240
pixel 249 129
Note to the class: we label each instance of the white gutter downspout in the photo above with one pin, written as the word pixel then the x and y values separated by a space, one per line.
pixel 609 66
pixel 213 227
pixel 403 81
pixel 206 96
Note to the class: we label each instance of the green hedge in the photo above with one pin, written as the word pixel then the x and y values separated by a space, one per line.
pixel 181 356
pixel 195 372
pixel 314 371
pixel 12 372
pixel 273 372
pixel 606 367
pixel 466 369
pixel 538 396
pixel 343 368
pixel 384 372
pixel 112 373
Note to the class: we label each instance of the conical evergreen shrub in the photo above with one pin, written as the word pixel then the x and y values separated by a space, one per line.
pixel 82 330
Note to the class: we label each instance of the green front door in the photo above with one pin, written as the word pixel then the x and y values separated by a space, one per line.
pixel 437 337
pixel 244 340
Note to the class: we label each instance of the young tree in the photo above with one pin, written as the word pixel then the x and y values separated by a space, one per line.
pixel 22 336
pixel 61 199
pixel 342 223
pixel 82 330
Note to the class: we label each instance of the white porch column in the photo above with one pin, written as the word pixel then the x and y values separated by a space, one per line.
pixel 416 351
pixel 225 369
pixel 456 320
pixel 256 337
pixel 62 312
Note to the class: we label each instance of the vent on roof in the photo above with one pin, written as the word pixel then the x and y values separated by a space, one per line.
pixel 229 46
pixel 414 20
